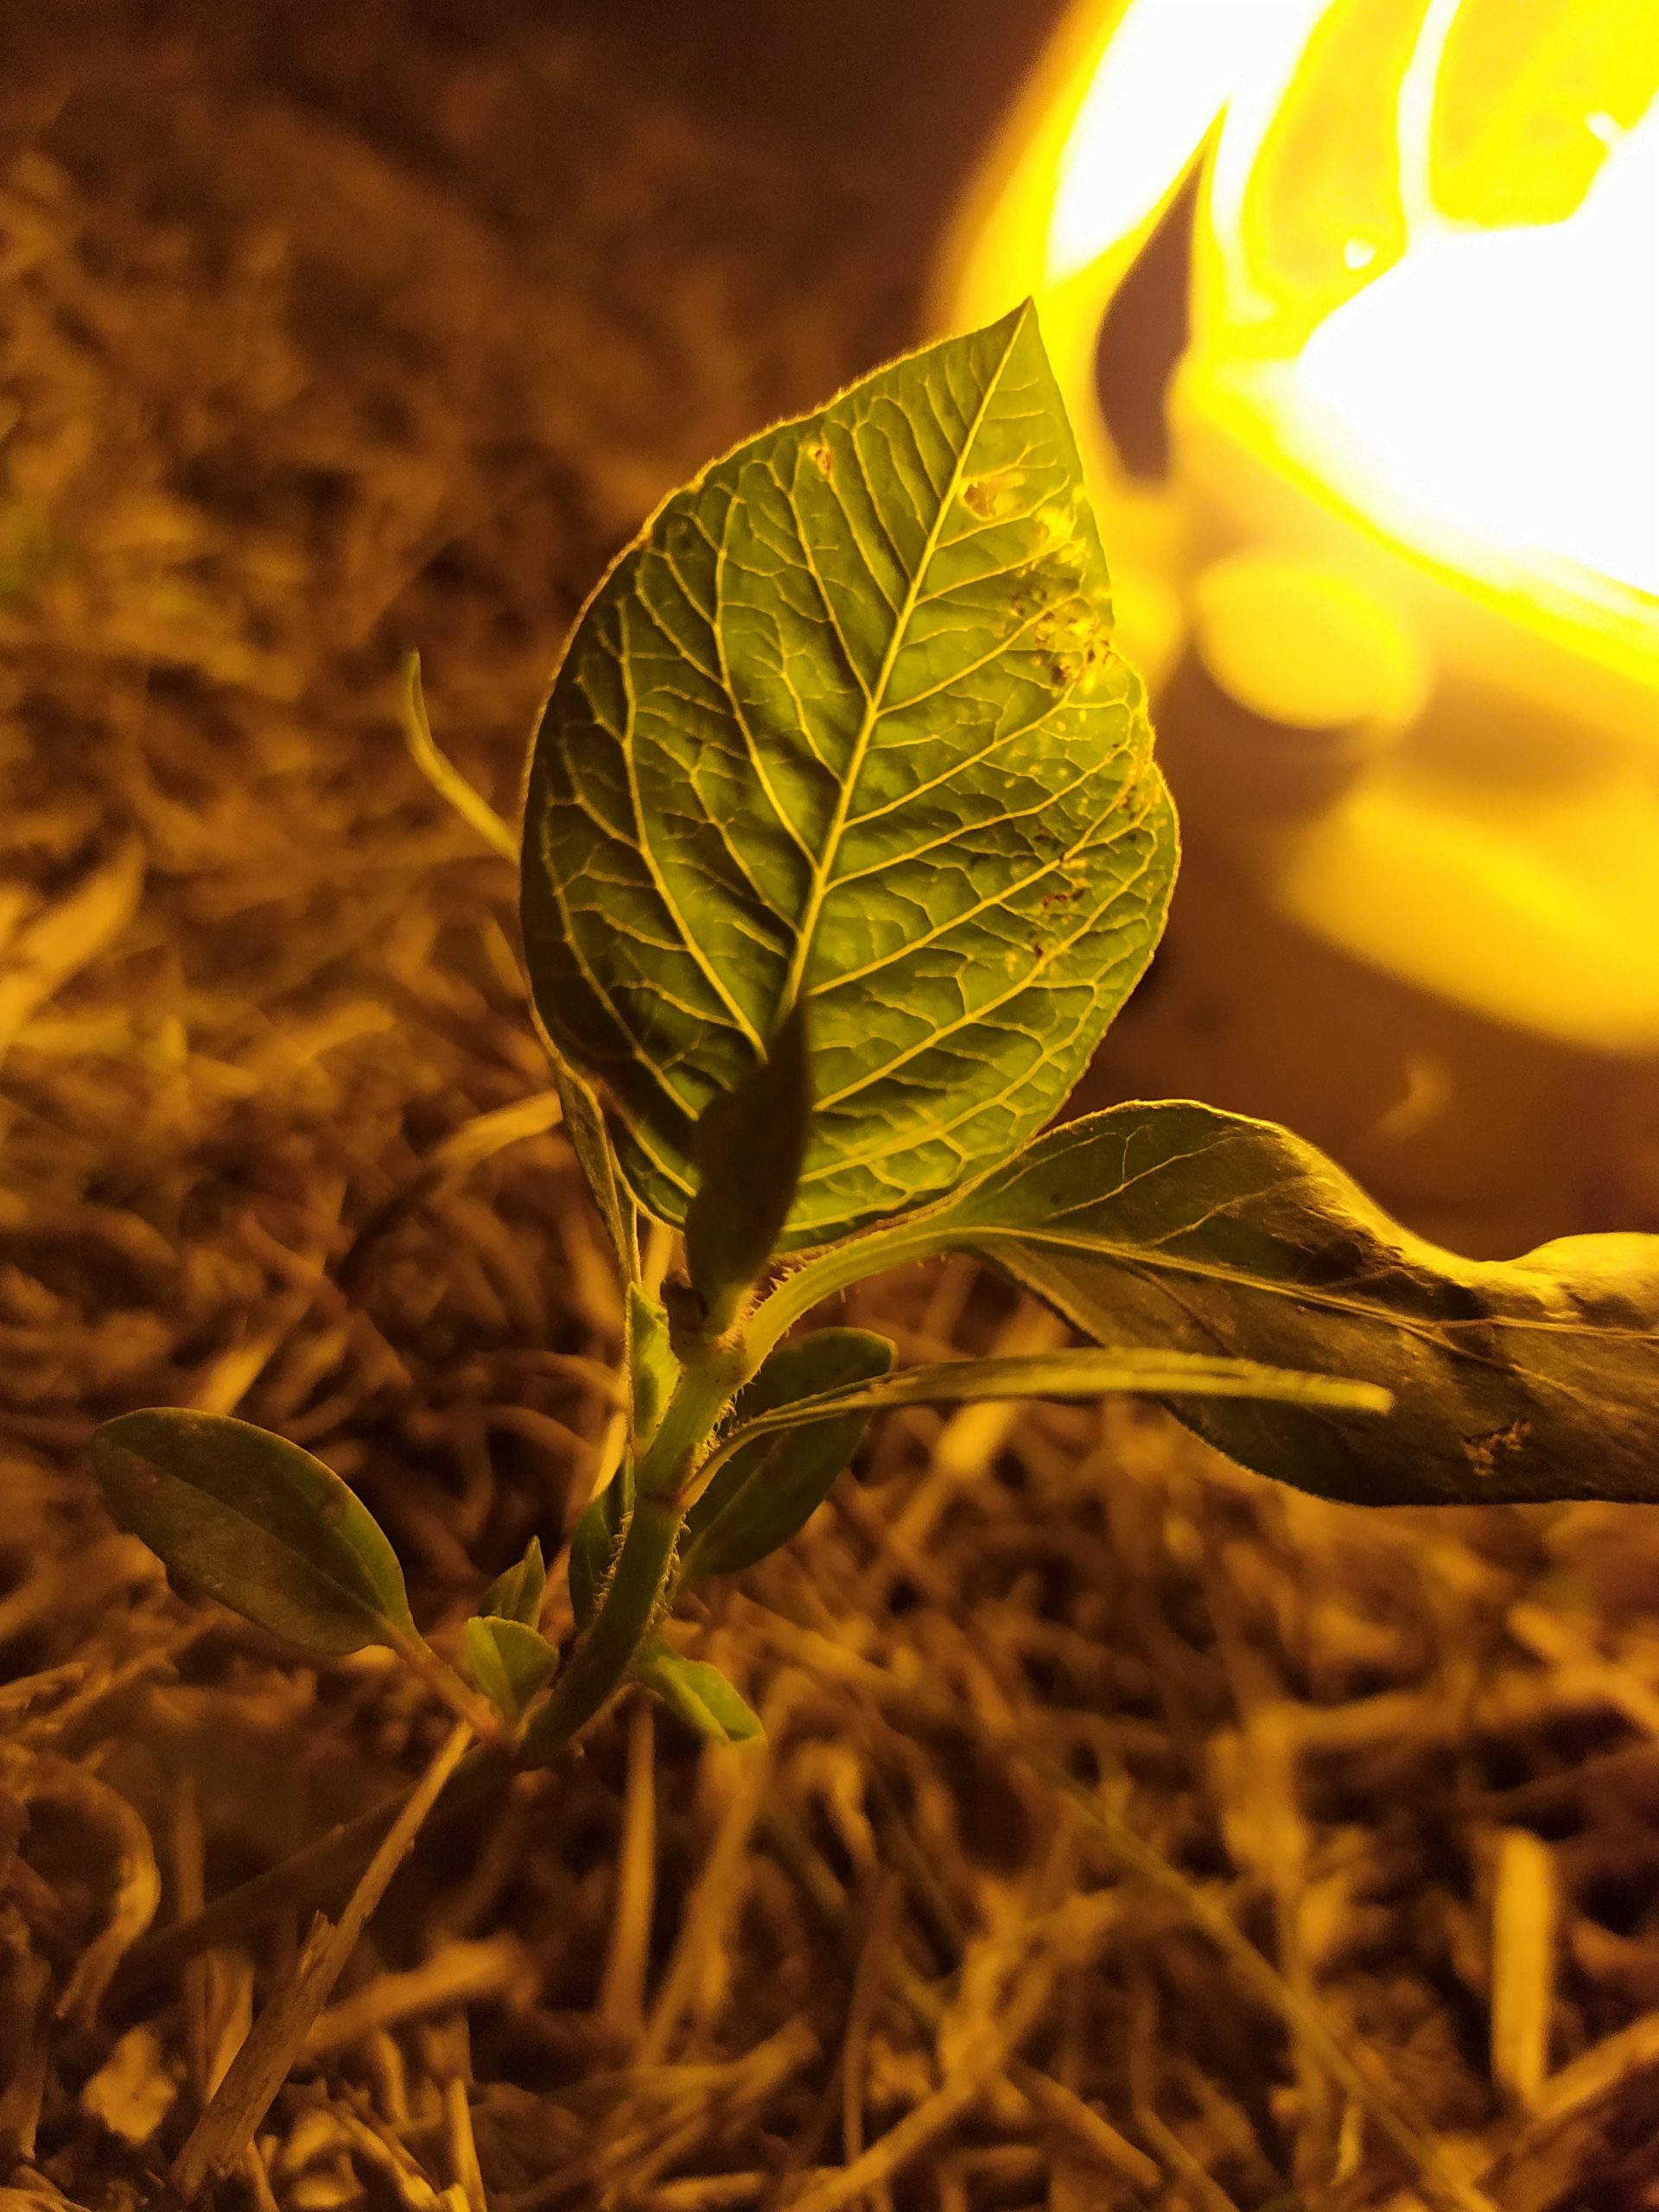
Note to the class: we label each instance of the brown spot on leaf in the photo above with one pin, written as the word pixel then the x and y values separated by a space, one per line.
pixel 1487 1453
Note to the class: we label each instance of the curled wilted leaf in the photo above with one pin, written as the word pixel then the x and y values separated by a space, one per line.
pixel 255 1522
pixel 1179 1225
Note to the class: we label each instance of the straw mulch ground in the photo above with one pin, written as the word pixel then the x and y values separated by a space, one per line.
pixel 309 349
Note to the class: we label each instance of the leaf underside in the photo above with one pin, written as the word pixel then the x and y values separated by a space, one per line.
pixel 847 722
pixel 593 1551
pixel 1182 1227
pixel 584 1126
pixel 255 1522
pixel 652 1369
pixel 767 1493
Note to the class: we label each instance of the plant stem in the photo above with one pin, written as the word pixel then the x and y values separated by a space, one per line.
pixel 712 1378
pixel 632 1600
pixel 640 1581
pixel 625 1617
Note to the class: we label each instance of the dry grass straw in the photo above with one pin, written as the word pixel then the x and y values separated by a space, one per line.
pixel 1129 1834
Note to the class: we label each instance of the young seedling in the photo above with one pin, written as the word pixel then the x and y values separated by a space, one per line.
pixel 843 843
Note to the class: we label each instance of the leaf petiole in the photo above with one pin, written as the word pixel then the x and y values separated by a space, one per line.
pixel 1060 1375
pixel 451 1688
pixel 837 1268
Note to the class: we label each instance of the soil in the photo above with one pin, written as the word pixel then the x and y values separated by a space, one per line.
pixel 1127 1831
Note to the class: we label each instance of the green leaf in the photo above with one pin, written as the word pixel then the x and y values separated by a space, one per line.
pixel 767 1493
pixel 652 1369
pixel 592 1549
pixel 1175 1224
pixel 846 722
pixel 1153 1373
pixel 584 1124
pixel 517 1595
pixel 508 1662
pixel 255 1522
pixel 747 1152
pixel 700 1694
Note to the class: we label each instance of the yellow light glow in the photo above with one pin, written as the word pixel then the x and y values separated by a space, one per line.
pixel 1298 644
pixel 1413 478
pixel 1505 383
pixel 1170 69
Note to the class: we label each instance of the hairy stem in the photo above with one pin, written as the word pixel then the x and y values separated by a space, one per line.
pixel 712 1378
pixel 632 1602
pixel 836 1269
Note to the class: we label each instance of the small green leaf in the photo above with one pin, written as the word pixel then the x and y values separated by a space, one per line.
pixel 1064 1375
pixel 766 1493
pixel 517 1595
pixel 255 1522
pixel 584 1124
pixel 700 1694
pixel 593 1550
pixel 846 722
pixel 508 1662
pixel 653 1368
pixel 1180 1225
pixel 747 1153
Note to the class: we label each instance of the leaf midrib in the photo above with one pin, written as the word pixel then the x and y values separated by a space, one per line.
pixel 903 615
pixel 936 1232
pixel 1442 1336
pixel 693 945
pixel 1105 1369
